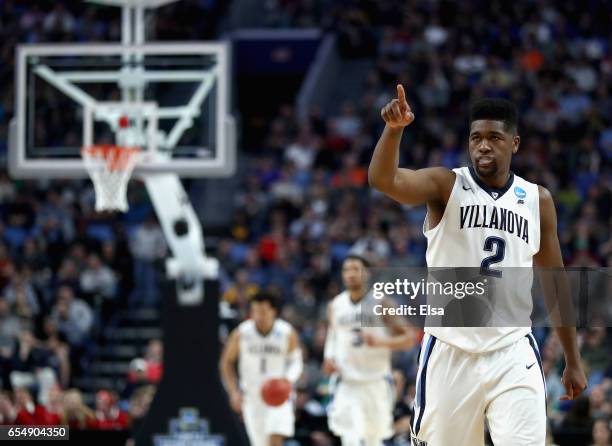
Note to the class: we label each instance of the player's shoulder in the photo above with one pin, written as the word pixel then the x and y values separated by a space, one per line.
pixel 283 325
pixel 339 299
pixel 544 194
pixel 246 326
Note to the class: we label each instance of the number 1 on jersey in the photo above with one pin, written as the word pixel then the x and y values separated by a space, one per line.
pixel 357 337
pixel 497 246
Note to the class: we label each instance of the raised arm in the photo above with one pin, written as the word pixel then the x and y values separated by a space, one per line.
pixel 423 186
pixel 549 256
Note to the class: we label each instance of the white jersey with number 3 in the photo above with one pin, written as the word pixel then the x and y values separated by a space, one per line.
pixel 356 360
pixel 490 228
pixel 262 357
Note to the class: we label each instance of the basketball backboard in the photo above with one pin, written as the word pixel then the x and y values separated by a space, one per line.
pixel 175 96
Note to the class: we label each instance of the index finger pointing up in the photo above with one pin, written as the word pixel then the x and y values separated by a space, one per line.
pixel 401 94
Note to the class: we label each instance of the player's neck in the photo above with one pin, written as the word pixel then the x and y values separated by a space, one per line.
pixel 497 181
pixel 264 331
pixel 356 295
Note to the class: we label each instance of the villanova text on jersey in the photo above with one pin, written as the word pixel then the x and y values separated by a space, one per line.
pixel 263 349
pixel 488 216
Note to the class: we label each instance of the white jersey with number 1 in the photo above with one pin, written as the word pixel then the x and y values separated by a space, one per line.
pixel 262 357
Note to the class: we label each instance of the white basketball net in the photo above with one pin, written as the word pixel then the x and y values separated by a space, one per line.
pixel 110 168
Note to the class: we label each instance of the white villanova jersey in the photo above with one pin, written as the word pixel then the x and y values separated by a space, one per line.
pixel 356 360
pixel 495 229
pixel 262 357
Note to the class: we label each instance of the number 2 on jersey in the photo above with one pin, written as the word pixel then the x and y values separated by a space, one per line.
pixel 497 246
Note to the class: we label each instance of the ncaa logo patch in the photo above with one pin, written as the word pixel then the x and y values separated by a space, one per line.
pixel 520 192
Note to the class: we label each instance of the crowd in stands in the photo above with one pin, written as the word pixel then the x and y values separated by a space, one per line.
pixel 304 201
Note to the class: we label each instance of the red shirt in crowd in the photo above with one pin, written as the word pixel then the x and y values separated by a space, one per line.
pixel 116 420
pixel 36 415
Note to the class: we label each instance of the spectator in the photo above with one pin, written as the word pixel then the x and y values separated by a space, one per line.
pixel 140 402
pixel 73 316
pixel 55 404
pixel 154 356
pixel 9 327
pixel 31 364
pixel 108 414
pixel 30 413
pixel 147 246
pixel 98 278
pixel 150 368
pixel 59 22
pixel 601 433
pixel 76 414
pixel 55 343
pixel 8 413
pixel 21 294
pixel 240 292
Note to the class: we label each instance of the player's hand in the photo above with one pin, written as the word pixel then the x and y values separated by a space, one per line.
pixel 574 380
pixel 397 113
pixel 372 341
pixel 329 366
pixel 236 401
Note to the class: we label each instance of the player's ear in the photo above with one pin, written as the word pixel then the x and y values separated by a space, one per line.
pixel 366 275
pixel 516 140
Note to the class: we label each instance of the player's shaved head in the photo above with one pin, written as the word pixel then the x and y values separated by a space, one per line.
pixel 495 109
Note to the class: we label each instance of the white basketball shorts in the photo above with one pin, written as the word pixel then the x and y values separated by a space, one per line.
pixel 362 409
pixel 456 391
pixel 262 420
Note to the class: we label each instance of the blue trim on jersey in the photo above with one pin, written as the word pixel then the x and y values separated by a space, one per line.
pixel 423 381
pixel 536 351
pixel 500 191
pixel 332 388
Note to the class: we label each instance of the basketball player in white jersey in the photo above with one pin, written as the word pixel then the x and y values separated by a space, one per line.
pixel 265 347
pixel 479 216
pixel 358 354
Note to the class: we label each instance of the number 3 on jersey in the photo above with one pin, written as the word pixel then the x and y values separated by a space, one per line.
pixel 497 246
pixel 357 337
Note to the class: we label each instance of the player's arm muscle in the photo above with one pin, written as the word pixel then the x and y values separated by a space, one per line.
pixel 294 341
pixel 329 351
pixel 403 337
pixel 406 186
pixel 295 364
pixel 228 362
pixel 556 286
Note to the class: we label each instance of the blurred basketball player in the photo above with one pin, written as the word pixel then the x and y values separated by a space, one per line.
pixel 479 216
pixel 265 347
pixel 358 354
